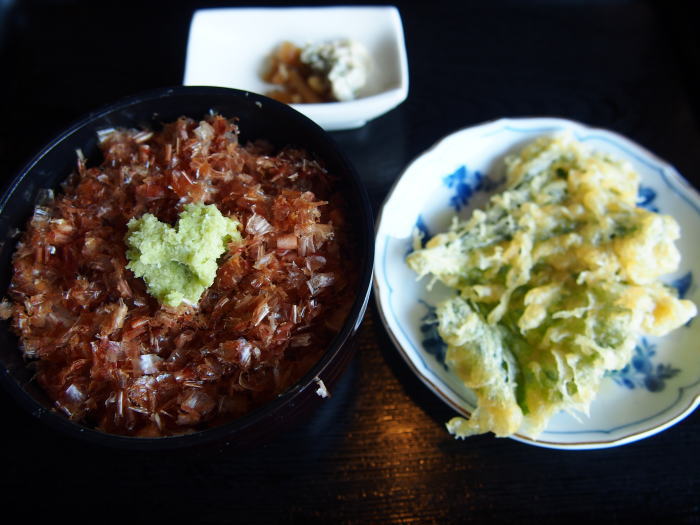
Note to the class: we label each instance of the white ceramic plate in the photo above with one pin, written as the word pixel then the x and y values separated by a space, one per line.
pixel 662 384
pixel 230 47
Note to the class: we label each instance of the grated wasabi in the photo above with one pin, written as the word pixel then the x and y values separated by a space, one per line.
pixel 179 263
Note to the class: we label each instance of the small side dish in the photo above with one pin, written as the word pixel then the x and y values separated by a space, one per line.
pixel 231 47
pixel 557 278
pixel 262 238
pixel 330 71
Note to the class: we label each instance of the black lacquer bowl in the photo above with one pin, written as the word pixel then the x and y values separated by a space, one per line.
pixel 260 118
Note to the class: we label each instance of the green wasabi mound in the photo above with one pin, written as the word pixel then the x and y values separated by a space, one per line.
pixel 179 263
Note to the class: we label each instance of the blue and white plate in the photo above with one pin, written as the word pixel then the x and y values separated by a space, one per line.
pixel 662 383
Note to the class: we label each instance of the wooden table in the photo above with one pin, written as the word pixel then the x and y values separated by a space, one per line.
pixel 377 451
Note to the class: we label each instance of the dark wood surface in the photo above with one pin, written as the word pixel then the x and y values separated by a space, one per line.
pixel 377 451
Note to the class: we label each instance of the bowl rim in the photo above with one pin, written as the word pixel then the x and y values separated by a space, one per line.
pixel 354 318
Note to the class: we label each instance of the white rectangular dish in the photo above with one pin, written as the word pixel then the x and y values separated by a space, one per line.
pixel 229 48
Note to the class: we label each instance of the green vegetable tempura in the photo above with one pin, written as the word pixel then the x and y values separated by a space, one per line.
pixel 179 263
pixel 556 279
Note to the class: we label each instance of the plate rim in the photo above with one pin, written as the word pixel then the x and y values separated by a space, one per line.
pixel 667 172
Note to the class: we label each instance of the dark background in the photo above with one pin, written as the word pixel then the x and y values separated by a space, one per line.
pixel 377 451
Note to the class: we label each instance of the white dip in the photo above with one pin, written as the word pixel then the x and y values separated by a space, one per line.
pixel 343 62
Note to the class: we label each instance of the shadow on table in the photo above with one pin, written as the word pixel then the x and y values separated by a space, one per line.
pixel 419 393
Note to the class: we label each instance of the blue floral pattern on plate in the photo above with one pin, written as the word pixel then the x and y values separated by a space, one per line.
pixel 646 195
pixel 464 183
pixel 422 229
pixel 682 284
pixel 432 342
pixel 641 372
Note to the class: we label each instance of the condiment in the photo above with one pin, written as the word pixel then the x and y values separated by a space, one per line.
pixel 178 264
pixel 327 71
